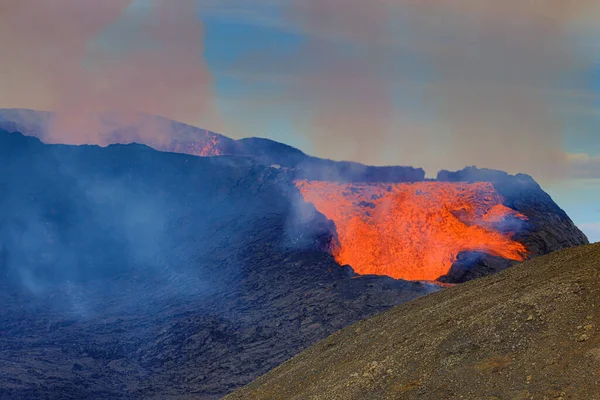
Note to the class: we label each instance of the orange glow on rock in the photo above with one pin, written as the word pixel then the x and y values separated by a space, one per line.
pixel 413 231
pixel 210 148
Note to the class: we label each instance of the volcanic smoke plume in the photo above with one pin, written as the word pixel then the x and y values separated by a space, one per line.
pixel 437 84
pixel 413 231
pixel 81 58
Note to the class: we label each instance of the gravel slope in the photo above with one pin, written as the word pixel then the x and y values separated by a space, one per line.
pixel 530 332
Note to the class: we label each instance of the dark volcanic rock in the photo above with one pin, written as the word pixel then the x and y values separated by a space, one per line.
pixel 547 229
pixel 130 273
pixel 473 265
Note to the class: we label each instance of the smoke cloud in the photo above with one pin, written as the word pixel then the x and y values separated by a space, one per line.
pixel 84 57
pixel 426 83
pixel 503 75
pixel 435 84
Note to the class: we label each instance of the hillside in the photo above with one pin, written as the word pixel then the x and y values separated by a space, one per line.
pixel 125 268
pixel 129 273
pixel 530 332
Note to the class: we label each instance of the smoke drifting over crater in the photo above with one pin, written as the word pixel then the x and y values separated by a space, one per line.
pixel 81 58
pixel 435 84
pixel 427 83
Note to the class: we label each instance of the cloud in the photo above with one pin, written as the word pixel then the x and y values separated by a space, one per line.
pixel 584 166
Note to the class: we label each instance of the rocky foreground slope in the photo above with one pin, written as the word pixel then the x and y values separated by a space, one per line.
pixel 530 332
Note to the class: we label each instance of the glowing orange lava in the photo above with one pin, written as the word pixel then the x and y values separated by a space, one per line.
pixel 413 231
pixel 206 148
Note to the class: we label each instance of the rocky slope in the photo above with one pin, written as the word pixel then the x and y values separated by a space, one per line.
pixel 529 332
pixel 130 273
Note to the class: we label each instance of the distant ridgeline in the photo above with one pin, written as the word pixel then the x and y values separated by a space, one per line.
pixel 186 139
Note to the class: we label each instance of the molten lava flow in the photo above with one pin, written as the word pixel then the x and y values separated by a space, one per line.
pixel 413 231
pixel 208 147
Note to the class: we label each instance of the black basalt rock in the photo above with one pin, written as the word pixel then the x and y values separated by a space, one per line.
pixel 547 228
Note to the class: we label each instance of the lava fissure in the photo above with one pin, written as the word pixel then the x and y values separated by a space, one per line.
pixel 413 231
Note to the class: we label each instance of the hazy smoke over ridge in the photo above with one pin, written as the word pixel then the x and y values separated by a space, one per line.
pixel 496 75
pixel 442 84
pixel 58 55
pixel 438 84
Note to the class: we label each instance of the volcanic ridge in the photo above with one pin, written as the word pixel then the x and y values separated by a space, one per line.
pixel 386 218
pixel 126 268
